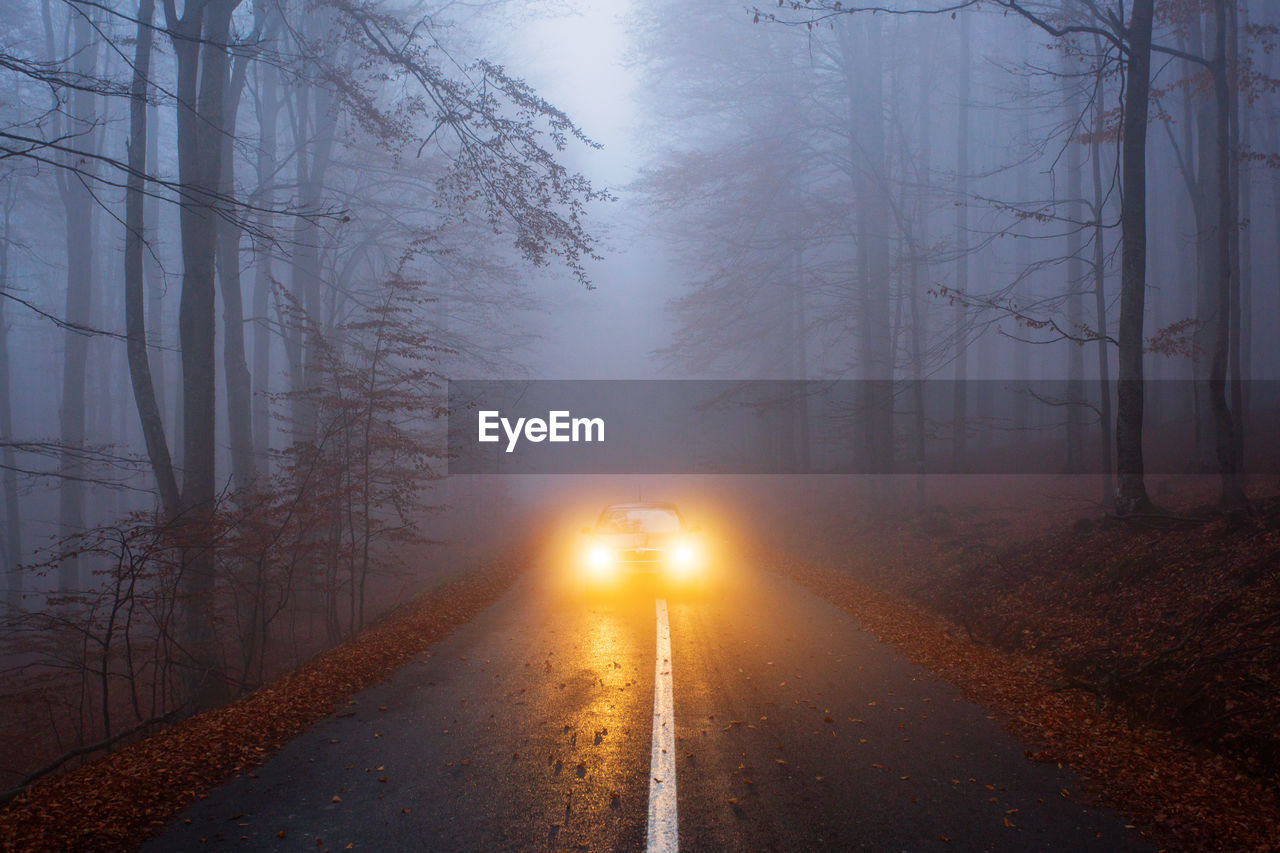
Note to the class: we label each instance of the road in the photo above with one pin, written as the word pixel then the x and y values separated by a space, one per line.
pixel 531 728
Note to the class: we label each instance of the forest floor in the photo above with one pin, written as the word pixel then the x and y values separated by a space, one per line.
pixel 115 802
pixel 1145 655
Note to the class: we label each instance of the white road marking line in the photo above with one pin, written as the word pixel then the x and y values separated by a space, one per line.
pixel 664 836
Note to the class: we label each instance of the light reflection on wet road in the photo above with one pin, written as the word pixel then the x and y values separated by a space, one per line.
pixel 530 728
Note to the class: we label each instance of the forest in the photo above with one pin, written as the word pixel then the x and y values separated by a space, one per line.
pixel 246 244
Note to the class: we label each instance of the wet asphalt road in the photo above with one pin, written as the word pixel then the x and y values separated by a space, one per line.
pixel 530 729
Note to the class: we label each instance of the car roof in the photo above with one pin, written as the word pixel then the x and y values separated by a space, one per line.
pixel 641 505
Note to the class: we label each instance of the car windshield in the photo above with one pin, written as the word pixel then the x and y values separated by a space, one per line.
pixel 645 519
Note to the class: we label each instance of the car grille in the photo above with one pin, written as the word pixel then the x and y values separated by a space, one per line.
pixel 642 555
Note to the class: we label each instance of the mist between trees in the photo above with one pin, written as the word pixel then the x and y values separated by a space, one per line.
pixel 1065 190
pixel 245 241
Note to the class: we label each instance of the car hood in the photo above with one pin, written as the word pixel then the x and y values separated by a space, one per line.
pixel 636 540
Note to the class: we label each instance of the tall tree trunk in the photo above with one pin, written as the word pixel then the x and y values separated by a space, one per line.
pixel 268 111
pixel 800 355
pixel 960 400
pixel 1075 299
pixel 862 58
pixel 255 637
pixel 1131 488
pixel 12 510
pixel 919 273
pixel 1237 200
pixel 1245 301
pixel 78 204
pixel 1208 237
pixel 1196 163
pixel 153 273
pixel 313 137
pixel 1232 496
pixel 199 41
pixel 1100 282
pixel 236 370
pixel 1023 292
pixel 135 320
pixel 312 155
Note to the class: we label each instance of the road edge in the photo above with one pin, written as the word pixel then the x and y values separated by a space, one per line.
pixel 1179 796
pixel 118 801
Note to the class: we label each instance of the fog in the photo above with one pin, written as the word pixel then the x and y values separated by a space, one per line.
pixel 247 244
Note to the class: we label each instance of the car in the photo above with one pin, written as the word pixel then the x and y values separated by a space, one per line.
pixel 644 540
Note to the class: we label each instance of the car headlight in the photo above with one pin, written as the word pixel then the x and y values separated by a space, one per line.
pixel 600 562
pixel 686 561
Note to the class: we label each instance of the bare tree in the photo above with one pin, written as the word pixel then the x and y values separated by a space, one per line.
pixel 135 233
pixel 76 121
pixel 199 37
pixel 12 548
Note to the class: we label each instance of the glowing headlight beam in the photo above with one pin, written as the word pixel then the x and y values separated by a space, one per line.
pixel 601 563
